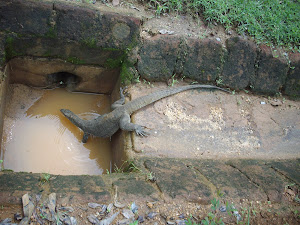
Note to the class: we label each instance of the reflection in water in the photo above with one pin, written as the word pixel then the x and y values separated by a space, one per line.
pixel 38 138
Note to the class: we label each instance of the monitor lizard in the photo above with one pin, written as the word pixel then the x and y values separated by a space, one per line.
pixel 108 124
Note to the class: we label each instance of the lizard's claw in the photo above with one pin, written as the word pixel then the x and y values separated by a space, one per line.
pixel 140 131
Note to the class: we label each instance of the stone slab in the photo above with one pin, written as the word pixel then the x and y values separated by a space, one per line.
pixel 92 187
pixel 239 65
pixel 203 60
pixel 271 72
pixel 70 51
pixel 26 17
pixel 263 176
pixel 176 180
pixel 292 85
pixel 104 29
pixel 289 168
pixel 87 188
pixel 133 186
pixel 157 58
pixel 228 180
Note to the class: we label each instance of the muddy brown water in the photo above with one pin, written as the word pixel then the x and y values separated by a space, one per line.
pixel 38 138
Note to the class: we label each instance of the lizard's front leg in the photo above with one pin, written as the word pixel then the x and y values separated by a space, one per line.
pixel 125 124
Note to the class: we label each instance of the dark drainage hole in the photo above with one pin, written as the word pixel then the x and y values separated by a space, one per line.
pixel 38 138
pixel 63 80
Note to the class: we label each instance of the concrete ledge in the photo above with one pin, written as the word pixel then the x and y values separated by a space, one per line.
pixel 182 179
pixel 83 34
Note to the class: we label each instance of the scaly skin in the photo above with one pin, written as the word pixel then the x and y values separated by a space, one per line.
pixel 108 124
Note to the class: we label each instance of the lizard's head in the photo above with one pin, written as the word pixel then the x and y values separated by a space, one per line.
pixel 66 112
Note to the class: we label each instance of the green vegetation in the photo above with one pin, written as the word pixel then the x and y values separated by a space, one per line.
pixel 45 177
pixel 270 21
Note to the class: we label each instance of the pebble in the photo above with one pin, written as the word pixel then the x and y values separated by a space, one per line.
pixel 119 205
pixel 181 216
pixel 151 215
pixel 134 208
pixel 222 208
pixel 109 207
pixel 181 222
pixel 93 219
pixel 94 205
pixel 67 208
pixel 127 213
pixel 18 216
pixel 150 205
pixel 140 219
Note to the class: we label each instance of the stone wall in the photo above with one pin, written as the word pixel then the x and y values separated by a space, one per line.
pixel 81 34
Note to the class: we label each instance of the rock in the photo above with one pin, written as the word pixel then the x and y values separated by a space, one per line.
pixel 119 205
pixel 158 57
pixel 164 31
pixel 275 102
pixel 94 205
pixel 180 222
pixel 151 215
pixel 28 208
pixel 66 208
pixel 181 216
pixel 31 17
pixel 140 219
pixel 134 208
pixel 127 213
pixel 52 205
pixel 203 61
pixel 109 220
pixel 93 219
pixel 18 216
pixel 271 72
pixel 150 205
pixel 115 2
pixel 239 65
pixel 292 85
pixel 222 208
pixel 126 221
pixel 109 207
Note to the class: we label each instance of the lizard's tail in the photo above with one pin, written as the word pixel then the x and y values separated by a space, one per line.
pixel 73 118
pixel 141 102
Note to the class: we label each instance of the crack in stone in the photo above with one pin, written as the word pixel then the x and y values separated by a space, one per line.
pixel 277 171
pixel 206 180
pixel 251 180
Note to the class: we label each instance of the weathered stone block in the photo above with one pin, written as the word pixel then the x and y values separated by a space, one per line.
pixel 2 50
pixel 87 25
pixel 271 73
pixel 292 85
pixel 70 51
pixel 266 178
pixel 229 180
pixel 176 180
pixel 157 58
pixel 239 65
pixel 25 17
pixel 203 61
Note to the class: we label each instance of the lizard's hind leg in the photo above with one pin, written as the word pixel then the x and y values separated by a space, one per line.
pixel 119 102
pixel 125 124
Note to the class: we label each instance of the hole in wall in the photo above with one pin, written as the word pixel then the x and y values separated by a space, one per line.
pixel 63 80
pixel 38 138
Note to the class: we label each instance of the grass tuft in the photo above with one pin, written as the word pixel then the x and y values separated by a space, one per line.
pixel 268 21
